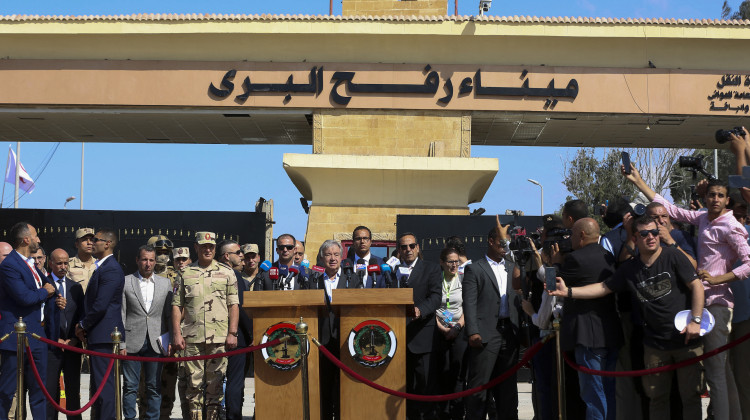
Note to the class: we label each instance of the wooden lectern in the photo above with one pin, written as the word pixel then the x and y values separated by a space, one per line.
pixel 390 306
pixel 278 394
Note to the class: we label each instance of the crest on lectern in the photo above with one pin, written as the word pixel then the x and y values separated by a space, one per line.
pixel 372 343
pixel 286 355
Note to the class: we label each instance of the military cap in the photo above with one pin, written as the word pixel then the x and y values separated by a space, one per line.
pixel 205 238
pixel 249 248
pixel 80 233
pixel 182 252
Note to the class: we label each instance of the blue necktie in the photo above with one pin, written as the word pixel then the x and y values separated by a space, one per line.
pixel 63 323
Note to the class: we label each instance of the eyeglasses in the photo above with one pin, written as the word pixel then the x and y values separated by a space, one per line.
pixel 238 252
pixel 404 246
pixel 453 262
pixel 287 247
pixel 644 233
pixel 95 240
pixel 361 239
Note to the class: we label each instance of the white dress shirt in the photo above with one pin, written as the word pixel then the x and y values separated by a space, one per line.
pixel 98 263
pixel 147 290
pixel 501 276
pixel 331 283
pixel 405 270
pixel 366 258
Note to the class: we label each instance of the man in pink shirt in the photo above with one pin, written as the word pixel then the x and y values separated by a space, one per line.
pixel 722 241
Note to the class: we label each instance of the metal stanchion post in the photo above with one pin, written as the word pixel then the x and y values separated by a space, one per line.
pixel 116 340
pixel 20 328
pixel 301 328
pixel 560 372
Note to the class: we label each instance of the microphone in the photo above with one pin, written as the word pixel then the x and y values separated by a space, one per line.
pixel 265 265
pixel 346 270
pixel 373 270
pixel 361 269
pixel 283 271
pixel 305 263
pixel 273 274
pixel 390 281
pixel 393 262
pixel 294 271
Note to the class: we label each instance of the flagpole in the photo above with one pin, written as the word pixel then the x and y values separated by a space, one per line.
pixel 80 201
pixel 7 163
pixel 18 168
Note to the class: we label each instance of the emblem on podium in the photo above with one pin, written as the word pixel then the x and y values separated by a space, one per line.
pixel 372 343
pixel 286 355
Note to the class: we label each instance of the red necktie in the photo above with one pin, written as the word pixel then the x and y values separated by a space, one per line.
pixel 36 277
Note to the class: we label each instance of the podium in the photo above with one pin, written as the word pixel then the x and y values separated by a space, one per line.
pixel 278 393
pixel 391 307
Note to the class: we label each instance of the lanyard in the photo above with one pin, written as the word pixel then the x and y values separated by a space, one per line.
pixel 447 290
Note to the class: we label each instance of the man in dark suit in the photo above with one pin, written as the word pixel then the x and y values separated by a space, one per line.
pixel 332 277
pixel 590 327
pixel 103 305
pixel 491 306
pixel 24 292
pixel 228 252
pixel 287 280
pixel 360 250
pixel 425 280
pixel 58 360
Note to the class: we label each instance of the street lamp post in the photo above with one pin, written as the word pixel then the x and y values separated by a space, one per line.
pixel 540 186
pixel 68 200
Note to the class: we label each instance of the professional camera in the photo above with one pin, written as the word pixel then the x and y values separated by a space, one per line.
pixel 637 210
pixel 695 164
pixel 723 136
pixel 561 237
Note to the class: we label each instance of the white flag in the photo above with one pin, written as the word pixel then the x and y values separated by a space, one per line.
pixel 24 180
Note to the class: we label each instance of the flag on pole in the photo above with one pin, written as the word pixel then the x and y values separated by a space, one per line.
pixel 24 180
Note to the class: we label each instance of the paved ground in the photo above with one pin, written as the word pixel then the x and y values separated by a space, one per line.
pixel 525 410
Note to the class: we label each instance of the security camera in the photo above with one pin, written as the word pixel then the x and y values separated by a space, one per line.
pixel 484 6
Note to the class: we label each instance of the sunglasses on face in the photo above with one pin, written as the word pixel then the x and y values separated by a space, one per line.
pixel 287 247
pixel 644 233
pixel 95 240
pixel 404 246
pixel 238 252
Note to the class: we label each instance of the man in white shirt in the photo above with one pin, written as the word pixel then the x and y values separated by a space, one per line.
pixel 146 310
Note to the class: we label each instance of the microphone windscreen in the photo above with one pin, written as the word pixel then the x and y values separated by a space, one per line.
pixel 318 269
pixel 273 273
pixel 283 270
pixel 385 268
pixel 265 265
pixel 294 269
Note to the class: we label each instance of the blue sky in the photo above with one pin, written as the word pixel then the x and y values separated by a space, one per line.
pixel 176 177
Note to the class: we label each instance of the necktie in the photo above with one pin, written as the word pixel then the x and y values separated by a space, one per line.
pixel 63 321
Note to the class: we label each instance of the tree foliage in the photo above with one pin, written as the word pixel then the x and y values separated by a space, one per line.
pixel 681 179
pixel 743 11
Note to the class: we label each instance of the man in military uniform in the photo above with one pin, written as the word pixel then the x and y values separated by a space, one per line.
pixel 207 298
pixel 163 247
pixel 82 265
pixel 174 371
pixel 252 264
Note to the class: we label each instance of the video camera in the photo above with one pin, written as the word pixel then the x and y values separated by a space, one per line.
pixel 695 164
pixel 724 136
pixel 521 241
pixel 561 237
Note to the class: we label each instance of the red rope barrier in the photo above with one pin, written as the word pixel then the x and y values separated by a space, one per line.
pixel 530 352
pixel 660 369
pixel 52 400
pixel 157 359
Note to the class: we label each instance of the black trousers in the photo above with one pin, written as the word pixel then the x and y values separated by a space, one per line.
pixel 495 357
pixel 330 383
pixel 420 379
pixel 69 363
pixel 234 394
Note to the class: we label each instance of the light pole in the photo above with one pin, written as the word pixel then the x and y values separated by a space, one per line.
pixel 68 200
pixel 540 186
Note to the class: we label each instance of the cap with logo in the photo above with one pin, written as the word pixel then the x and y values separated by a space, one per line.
pixel 205 238
pixel 182 252
pixel 80 233
pixel 249 248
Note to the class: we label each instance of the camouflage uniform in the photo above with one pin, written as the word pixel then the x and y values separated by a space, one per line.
pixel 205 295
pixel 79 273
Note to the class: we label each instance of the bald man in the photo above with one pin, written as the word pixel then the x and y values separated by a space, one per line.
pixel 590 328
pixel 58 360
pixel 5 249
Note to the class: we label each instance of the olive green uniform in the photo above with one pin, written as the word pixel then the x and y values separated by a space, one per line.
pixel 205 295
